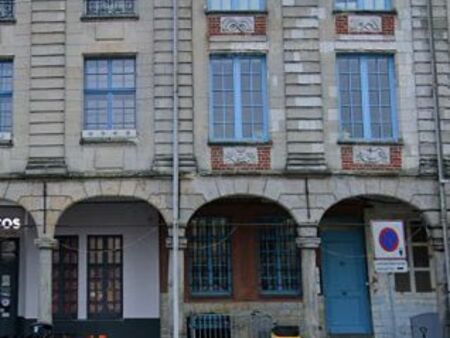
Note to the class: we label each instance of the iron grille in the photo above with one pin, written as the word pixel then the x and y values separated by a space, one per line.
pixel 6 9
pixel 237 325
pixel 210 256
pixel 110 7
pixel 279 259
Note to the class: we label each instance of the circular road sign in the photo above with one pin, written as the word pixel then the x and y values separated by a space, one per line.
pixel 389 239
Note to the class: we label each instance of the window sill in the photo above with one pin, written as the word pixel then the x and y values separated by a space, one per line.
pixel 9 21
pixel 243 38
pixel 236 12
pixel 6 139
pixel 365 11
pixel 206 297
pixel 109 136
pixel 398 142
pixel 240 143
pixel 109 17
pixel 277 296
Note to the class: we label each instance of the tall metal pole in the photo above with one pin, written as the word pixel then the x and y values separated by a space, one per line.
pixel 439 151
pixel 175 178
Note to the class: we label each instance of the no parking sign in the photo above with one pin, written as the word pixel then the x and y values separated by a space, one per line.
pixel 389 245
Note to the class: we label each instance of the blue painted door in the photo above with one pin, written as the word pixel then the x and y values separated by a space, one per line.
pixel 344 276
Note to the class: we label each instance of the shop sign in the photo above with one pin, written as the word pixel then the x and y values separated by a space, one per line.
pixel 10 223
pixel 389 246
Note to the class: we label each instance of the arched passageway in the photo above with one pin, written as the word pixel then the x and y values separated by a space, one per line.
pixel 358 297
pixel 106 269
pixel 242 258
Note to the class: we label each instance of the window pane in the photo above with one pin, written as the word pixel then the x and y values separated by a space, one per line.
pixel 419 234
pixel 6 96
pixel 65 278
pixel 380 97
pixel 350 96
pixel 123 74
pixel 110 7
pixel 210 256
pixel 236 4
pixel 279 259
pixel 104 274
pixel 96 112
pixel 423 281
pixel 224 97
pixel 6 76
pixel 110 93
pixel 421 256
pixel 252 97
pixel 402 282
pixel 123 108
pixel 5 113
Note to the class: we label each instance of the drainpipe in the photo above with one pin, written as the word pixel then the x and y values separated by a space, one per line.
pixel 439 150
pixel 175 178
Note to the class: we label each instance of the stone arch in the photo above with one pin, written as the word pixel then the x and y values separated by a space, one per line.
pixel 63 196
pixel 288 193
pixel 378 198
pixel 421 196
pixel 29 215
pixel 244 196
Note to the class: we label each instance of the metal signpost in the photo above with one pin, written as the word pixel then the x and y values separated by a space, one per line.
pixel 390 255
pixel 389 244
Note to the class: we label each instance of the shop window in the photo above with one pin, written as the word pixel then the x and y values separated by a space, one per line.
pixel 105 278
pixel 419 277
pixel 367 97
pixel 110 94
pixel 238 98
pixel 236 5
pixel 279 259
pixel 210 257
pixel 372 5
pixel 6 92
pixel 106 8
pixel 65 278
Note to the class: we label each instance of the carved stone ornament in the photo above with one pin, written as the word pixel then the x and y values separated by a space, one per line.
pixel 371 155
pixel 237 24
pixel 365 24
pixel 240 155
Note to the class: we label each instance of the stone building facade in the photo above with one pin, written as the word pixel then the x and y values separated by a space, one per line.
pixel 87 162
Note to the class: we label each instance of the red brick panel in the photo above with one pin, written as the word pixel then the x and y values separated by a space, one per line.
pixel 260 25
pixel 395 161
pixel 341 22
pixel 387 24
pixel 214 25
pixel 264 160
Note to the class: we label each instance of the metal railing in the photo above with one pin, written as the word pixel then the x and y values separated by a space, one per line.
pixel 6 10
pixel 105 8
pixel 236 325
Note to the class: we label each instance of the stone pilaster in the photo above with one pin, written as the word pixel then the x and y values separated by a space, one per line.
pixel 47 88
pixel 308 242
pixel 179 256
pixel 163 87
pixel 45 246
pixel 303 88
